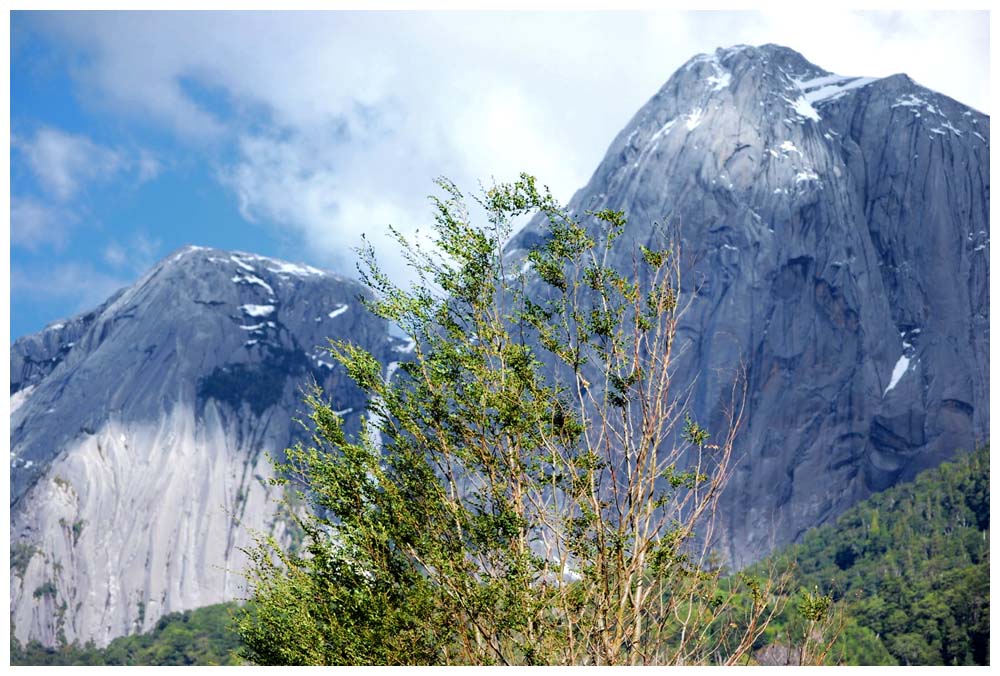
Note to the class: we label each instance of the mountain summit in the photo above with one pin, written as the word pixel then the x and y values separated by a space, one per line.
pixel 835 241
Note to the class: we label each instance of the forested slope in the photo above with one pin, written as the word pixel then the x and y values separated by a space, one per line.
pixel 910 567
pixel 202 636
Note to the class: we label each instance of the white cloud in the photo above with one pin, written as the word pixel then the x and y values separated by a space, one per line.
pixel 33 224
pixel 62 163
pixel 340 121
pixel 115 255
pixel 318 188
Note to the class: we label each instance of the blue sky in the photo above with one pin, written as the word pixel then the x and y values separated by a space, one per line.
pixel 290 134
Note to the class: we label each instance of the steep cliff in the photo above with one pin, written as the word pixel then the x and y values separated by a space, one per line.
pixel 835 240
pixel 139 434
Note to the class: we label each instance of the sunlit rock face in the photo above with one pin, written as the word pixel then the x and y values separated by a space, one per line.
pixel 140 433
pixel 835 241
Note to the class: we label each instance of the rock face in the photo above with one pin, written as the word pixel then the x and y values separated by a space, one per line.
pixel 139 433
pixel 835 239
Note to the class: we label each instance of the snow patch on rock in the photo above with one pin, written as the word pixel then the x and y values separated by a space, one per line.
pixel 283 268
pixel 720 77
pixel 802 107
pixel 694 118
pixel 409 347
pixel 898 371
pixel 252 279
pixel 662 131
pixel 830 87
pixel 185 251
pixel 243 264
pixel 278 267
pixel 257 310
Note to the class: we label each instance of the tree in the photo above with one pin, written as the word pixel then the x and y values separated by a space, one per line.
pixel 530 488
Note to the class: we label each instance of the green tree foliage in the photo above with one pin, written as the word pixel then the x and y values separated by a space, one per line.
pixel 528 490
pixel 909 568
pixel 204 636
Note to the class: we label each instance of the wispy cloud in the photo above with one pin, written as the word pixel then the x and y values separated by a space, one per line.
pixel 77 286
pixel 63 163
pixel 80 284
pixel 133 256
pixel 146 166
pixel 34 224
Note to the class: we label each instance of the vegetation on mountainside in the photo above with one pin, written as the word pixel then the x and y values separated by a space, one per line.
pixel 500 508
pixel 910 588
pixel 530 490
pixel 908 568
pixel 204 636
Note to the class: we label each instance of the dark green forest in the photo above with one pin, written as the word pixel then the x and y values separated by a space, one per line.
pixel 203 636
pixel 907 569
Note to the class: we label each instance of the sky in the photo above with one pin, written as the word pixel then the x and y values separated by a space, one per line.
pixel 291 134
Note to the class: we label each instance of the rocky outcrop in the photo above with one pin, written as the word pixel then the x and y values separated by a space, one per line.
pixel 140 433
pixel 835 239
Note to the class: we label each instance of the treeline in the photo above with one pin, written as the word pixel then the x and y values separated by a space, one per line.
pixel 908 569
pixel 203 636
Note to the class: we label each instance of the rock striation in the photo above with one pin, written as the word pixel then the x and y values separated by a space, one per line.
pixel 834 234
pixel 835 241
pixel 140 433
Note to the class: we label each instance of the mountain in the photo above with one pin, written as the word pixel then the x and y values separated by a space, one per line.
pixel 835 241
pixel 139 434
